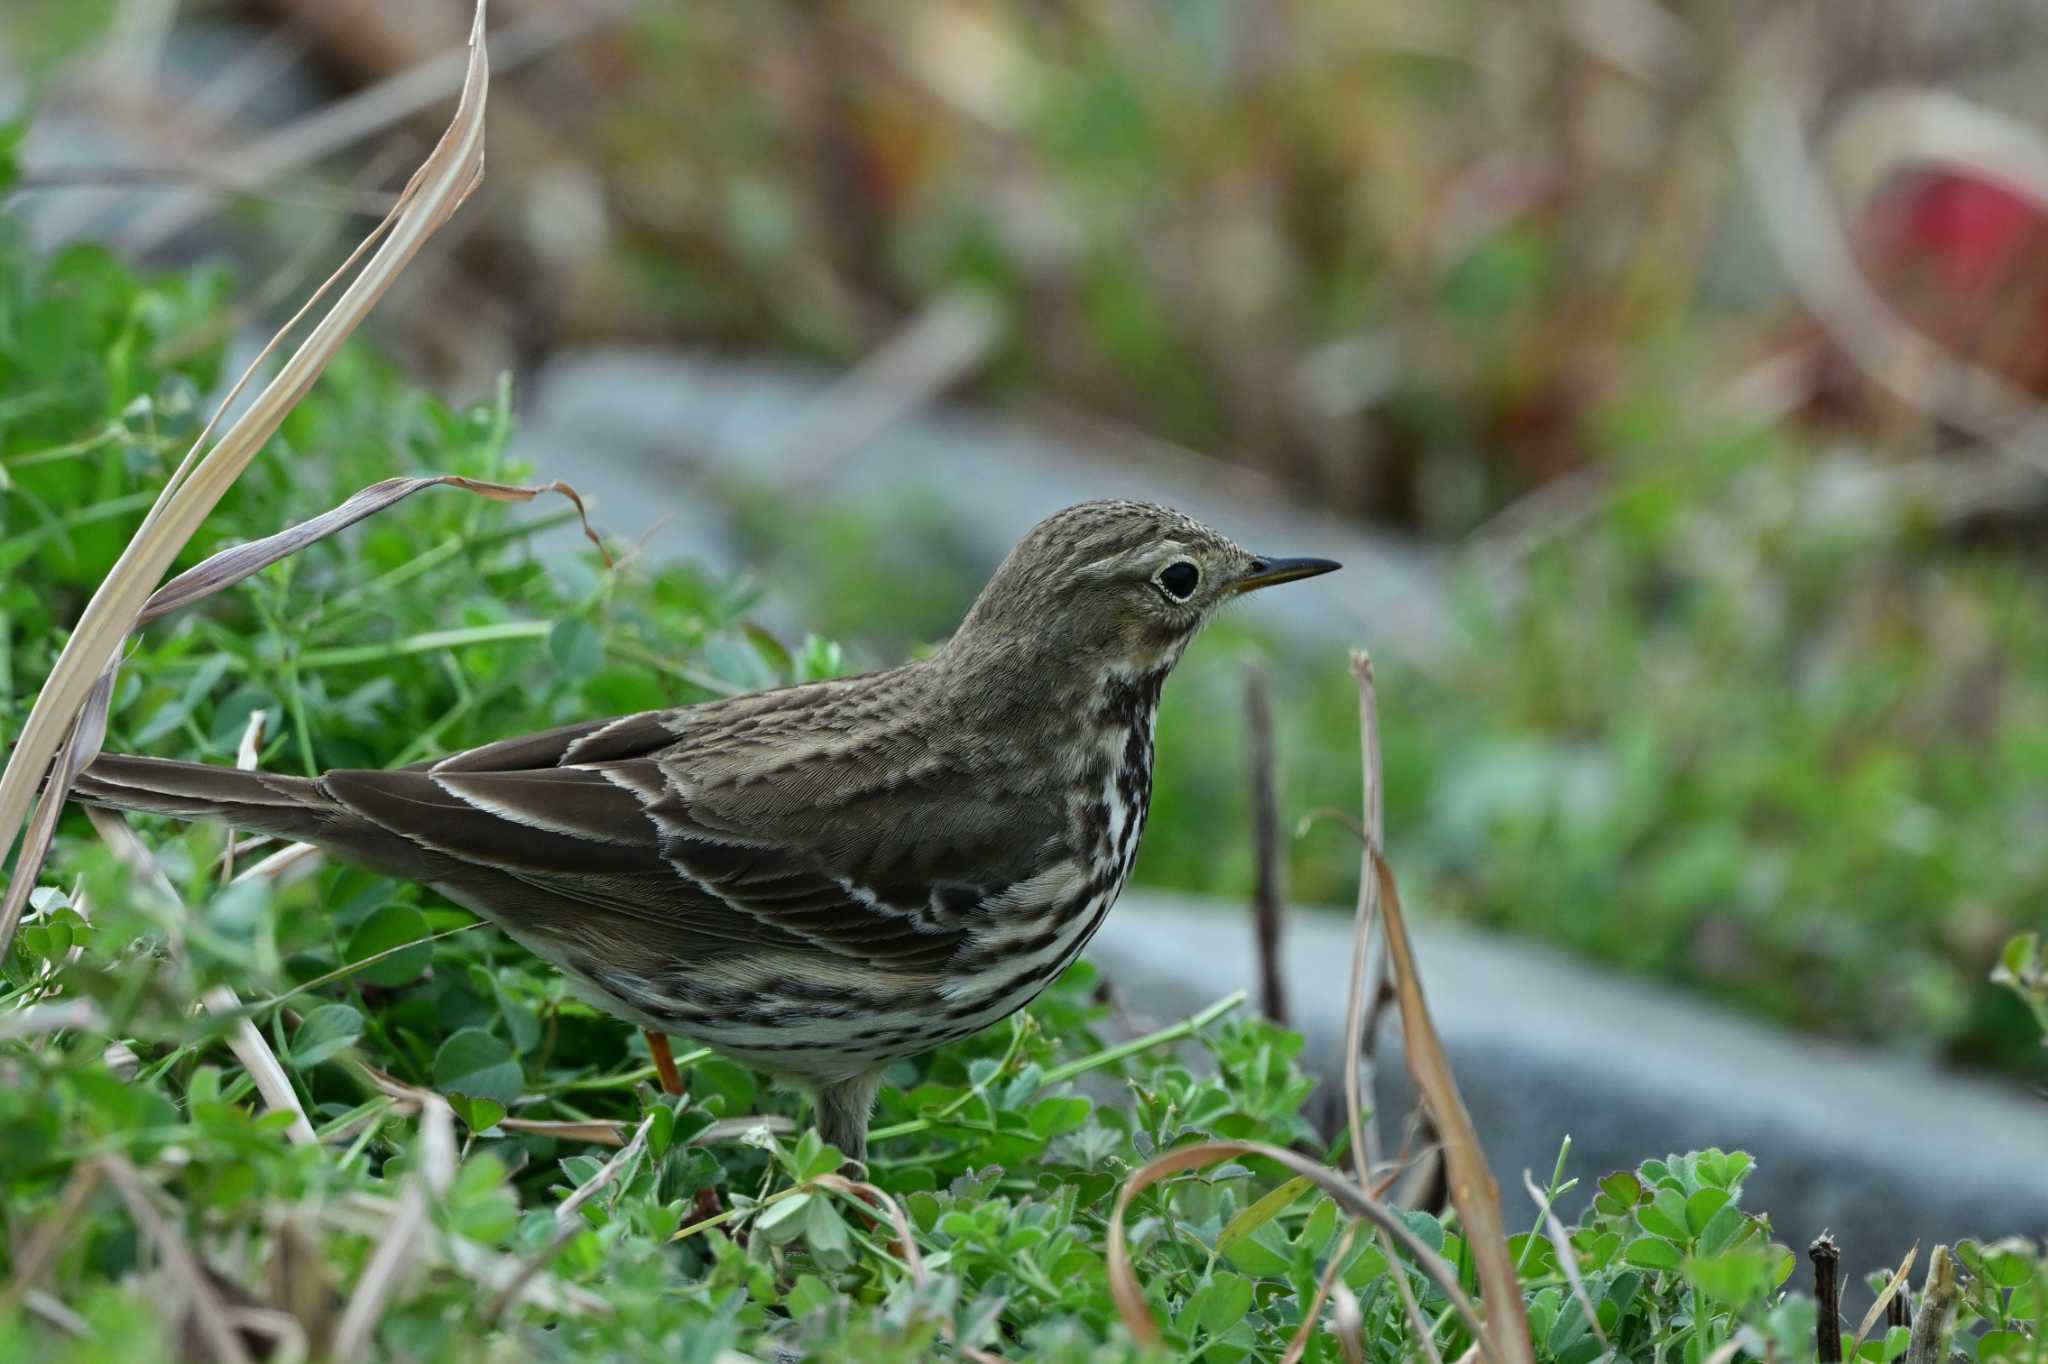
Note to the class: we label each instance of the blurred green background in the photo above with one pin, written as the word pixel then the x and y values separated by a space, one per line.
pixel 1746 680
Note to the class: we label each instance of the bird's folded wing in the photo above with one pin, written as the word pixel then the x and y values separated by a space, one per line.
pixel 592 823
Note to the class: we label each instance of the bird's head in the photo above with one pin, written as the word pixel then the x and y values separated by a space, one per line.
pixel 1114 586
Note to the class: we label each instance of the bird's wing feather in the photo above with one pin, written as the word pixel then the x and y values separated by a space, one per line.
pixel 603 820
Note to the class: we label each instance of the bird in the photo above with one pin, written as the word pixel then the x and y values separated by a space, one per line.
pixel 815 880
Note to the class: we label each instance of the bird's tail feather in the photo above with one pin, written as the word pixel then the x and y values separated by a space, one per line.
pixel 258 802
pixel 299 808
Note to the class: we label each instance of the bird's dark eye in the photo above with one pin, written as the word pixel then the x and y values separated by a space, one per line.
pixel 1179 579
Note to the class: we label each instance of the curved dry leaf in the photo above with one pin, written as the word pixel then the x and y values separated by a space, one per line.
pixel 1123 1280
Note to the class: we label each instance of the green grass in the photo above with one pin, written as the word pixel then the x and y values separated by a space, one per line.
pixel 435 626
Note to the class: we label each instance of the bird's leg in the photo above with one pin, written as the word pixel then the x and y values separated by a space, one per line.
pixel 707 1203
pixel 664 1061
pixel 842 1113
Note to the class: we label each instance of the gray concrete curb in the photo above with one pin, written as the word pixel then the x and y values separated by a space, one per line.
pixel 1885 1150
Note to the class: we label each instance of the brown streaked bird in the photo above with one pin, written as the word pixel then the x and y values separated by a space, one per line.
pixel 821 879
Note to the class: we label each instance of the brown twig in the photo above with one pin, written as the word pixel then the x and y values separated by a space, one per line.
pixel 1827 1292
pixel 1363 977
pixel 1296 1346
pixel 401 1245
pixel 50 1234
pixel 568 1221
pixel 1268 893
pixel 1899 1311
pixel 664 1062
pixel 1929 1341
pixel 209 1314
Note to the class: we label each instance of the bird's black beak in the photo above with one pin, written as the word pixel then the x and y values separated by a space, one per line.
pixel 1268 572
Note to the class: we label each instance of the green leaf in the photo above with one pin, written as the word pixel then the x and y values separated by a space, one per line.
pixel 1997 1347
pixel 1319 1228
pixel 1619 1192
pixel 1257 1255
pixel 1734 1277
pixel 824 1160
pixel 2006 1268
pixel 478 1114
pixel 397 927
pixel 1053 1117
pixel 809 1294
pixel 1664 1215
pixel 1222 1303
pixel 824 1230
pixel 781 1222
pixel 2018 954
pixel 576 648
pixel 661 1127
pixel 11 133
pixel 1730 1226
pixel 1651 1252
pixel 479 1064
pixel 1701 1207
pixel 1712 1168
pixel 327 1030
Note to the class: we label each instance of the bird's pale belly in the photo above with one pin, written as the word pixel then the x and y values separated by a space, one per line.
pixel 800 1017
pixel 792 1022
pixel 818 1031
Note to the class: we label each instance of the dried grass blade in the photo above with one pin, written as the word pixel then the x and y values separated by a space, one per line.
pixel 400 1247
pixel 293 858
pixel 1349 1326
pixel 596 1133
pixel 1363 977
pixel 569 1220
pixel 1361 1018
pixel 1473 1190
pixel 237 562
pixel 1354 1201
pixel 209 1314
pixel 61 1016
pixel 1299 1343
pixel 253 1051
pixel 913 1259
pixel 247 753
pixel 34 1255
pixel 80 680
pixel 1891 1290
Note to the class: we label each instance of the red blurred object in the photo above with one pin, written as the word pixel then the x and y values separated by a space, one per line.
pixel 1964 259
